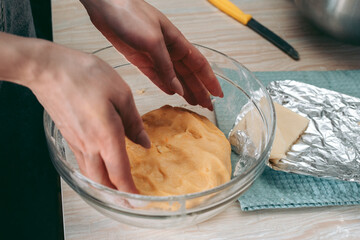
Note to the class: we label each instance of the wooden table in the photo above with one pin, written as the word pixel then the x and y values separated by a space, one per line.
pixel 203 24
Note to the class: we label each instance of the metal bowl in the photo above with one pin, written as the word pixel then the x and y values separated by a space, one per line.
pixel 338 18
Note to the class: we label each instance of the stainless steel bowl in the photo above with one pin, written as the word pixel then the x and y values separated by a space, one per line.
pixel 339 18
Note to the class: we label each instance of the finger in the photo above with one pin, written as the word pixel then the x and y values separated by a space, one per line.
pixel 79 158
pixel 198 90
pixel 164 66
pixel 144 63
pixel 96 171
pixel 130 118
pixel 188 96
pixel 153 76
pixel 199 66
pixel 182 50
pixel 113 152
pixel 91 168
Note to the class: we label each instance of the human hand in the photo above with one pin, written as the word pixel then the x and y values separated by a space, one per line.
pixel 94 109
pixel 152 43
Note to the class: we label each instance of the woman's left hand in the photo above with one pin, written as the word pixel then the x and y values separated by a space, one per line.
pixel 152 43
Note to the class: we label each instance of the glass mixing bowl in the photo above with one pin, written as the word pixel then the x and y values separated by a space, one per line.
pixel 244 94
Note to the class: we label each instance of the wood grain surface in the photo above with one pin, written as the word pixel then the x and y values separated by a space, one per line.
pixel 202 23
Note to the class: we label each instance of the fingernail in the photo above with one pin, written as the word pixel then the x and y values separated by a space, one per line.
pixel 208 105
pixel 176 86
pixel 221 94
pixel 143 139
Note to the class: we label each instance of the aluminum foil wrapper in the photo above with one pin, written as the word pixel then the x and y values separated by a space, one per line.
pixel 330 146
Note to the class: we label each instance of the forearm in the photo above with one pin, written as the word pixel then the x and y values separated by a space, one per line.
pixel 21 58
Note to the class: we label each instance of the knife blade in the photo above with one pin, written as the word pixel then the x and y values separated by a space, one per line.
pixel 233 11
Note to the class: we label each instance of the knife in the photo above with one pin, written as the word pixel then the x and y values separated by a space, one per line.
pixel 233 11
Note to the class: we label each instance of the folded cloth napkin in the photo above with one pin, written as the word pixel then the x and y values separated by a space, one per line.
pixel 275 189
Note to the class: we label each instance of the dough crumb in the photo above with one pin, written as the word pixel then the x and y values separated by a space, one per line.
pixel 141 91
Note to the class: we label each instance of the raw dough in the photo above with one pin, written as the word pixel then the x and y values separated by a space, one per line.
pixel 188 154
pixel 289 127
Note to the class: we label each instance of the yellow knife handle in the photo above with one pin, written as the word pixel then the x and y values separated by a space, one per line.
pixel 232 10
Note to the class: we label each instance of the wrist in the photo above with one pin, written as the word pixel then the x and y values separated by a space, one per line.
pixel 20 58
pixel 38 64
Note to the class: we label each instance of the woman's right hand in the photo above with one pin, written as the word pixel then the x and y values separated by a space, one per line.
pixel 89 102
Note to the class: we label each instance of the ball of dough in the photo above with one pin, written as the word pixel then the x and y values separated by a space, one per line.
pixel 188 154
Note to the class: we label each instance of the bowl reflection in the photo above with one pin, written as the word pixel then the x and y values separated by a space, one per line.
pixel 339 18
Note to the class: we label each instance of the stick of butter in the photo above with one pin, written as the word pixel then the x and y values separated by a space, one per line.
pixel 289 127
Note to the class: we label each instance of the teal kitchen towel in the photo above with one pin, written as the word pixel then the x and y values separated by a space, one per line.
pixel 276 189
